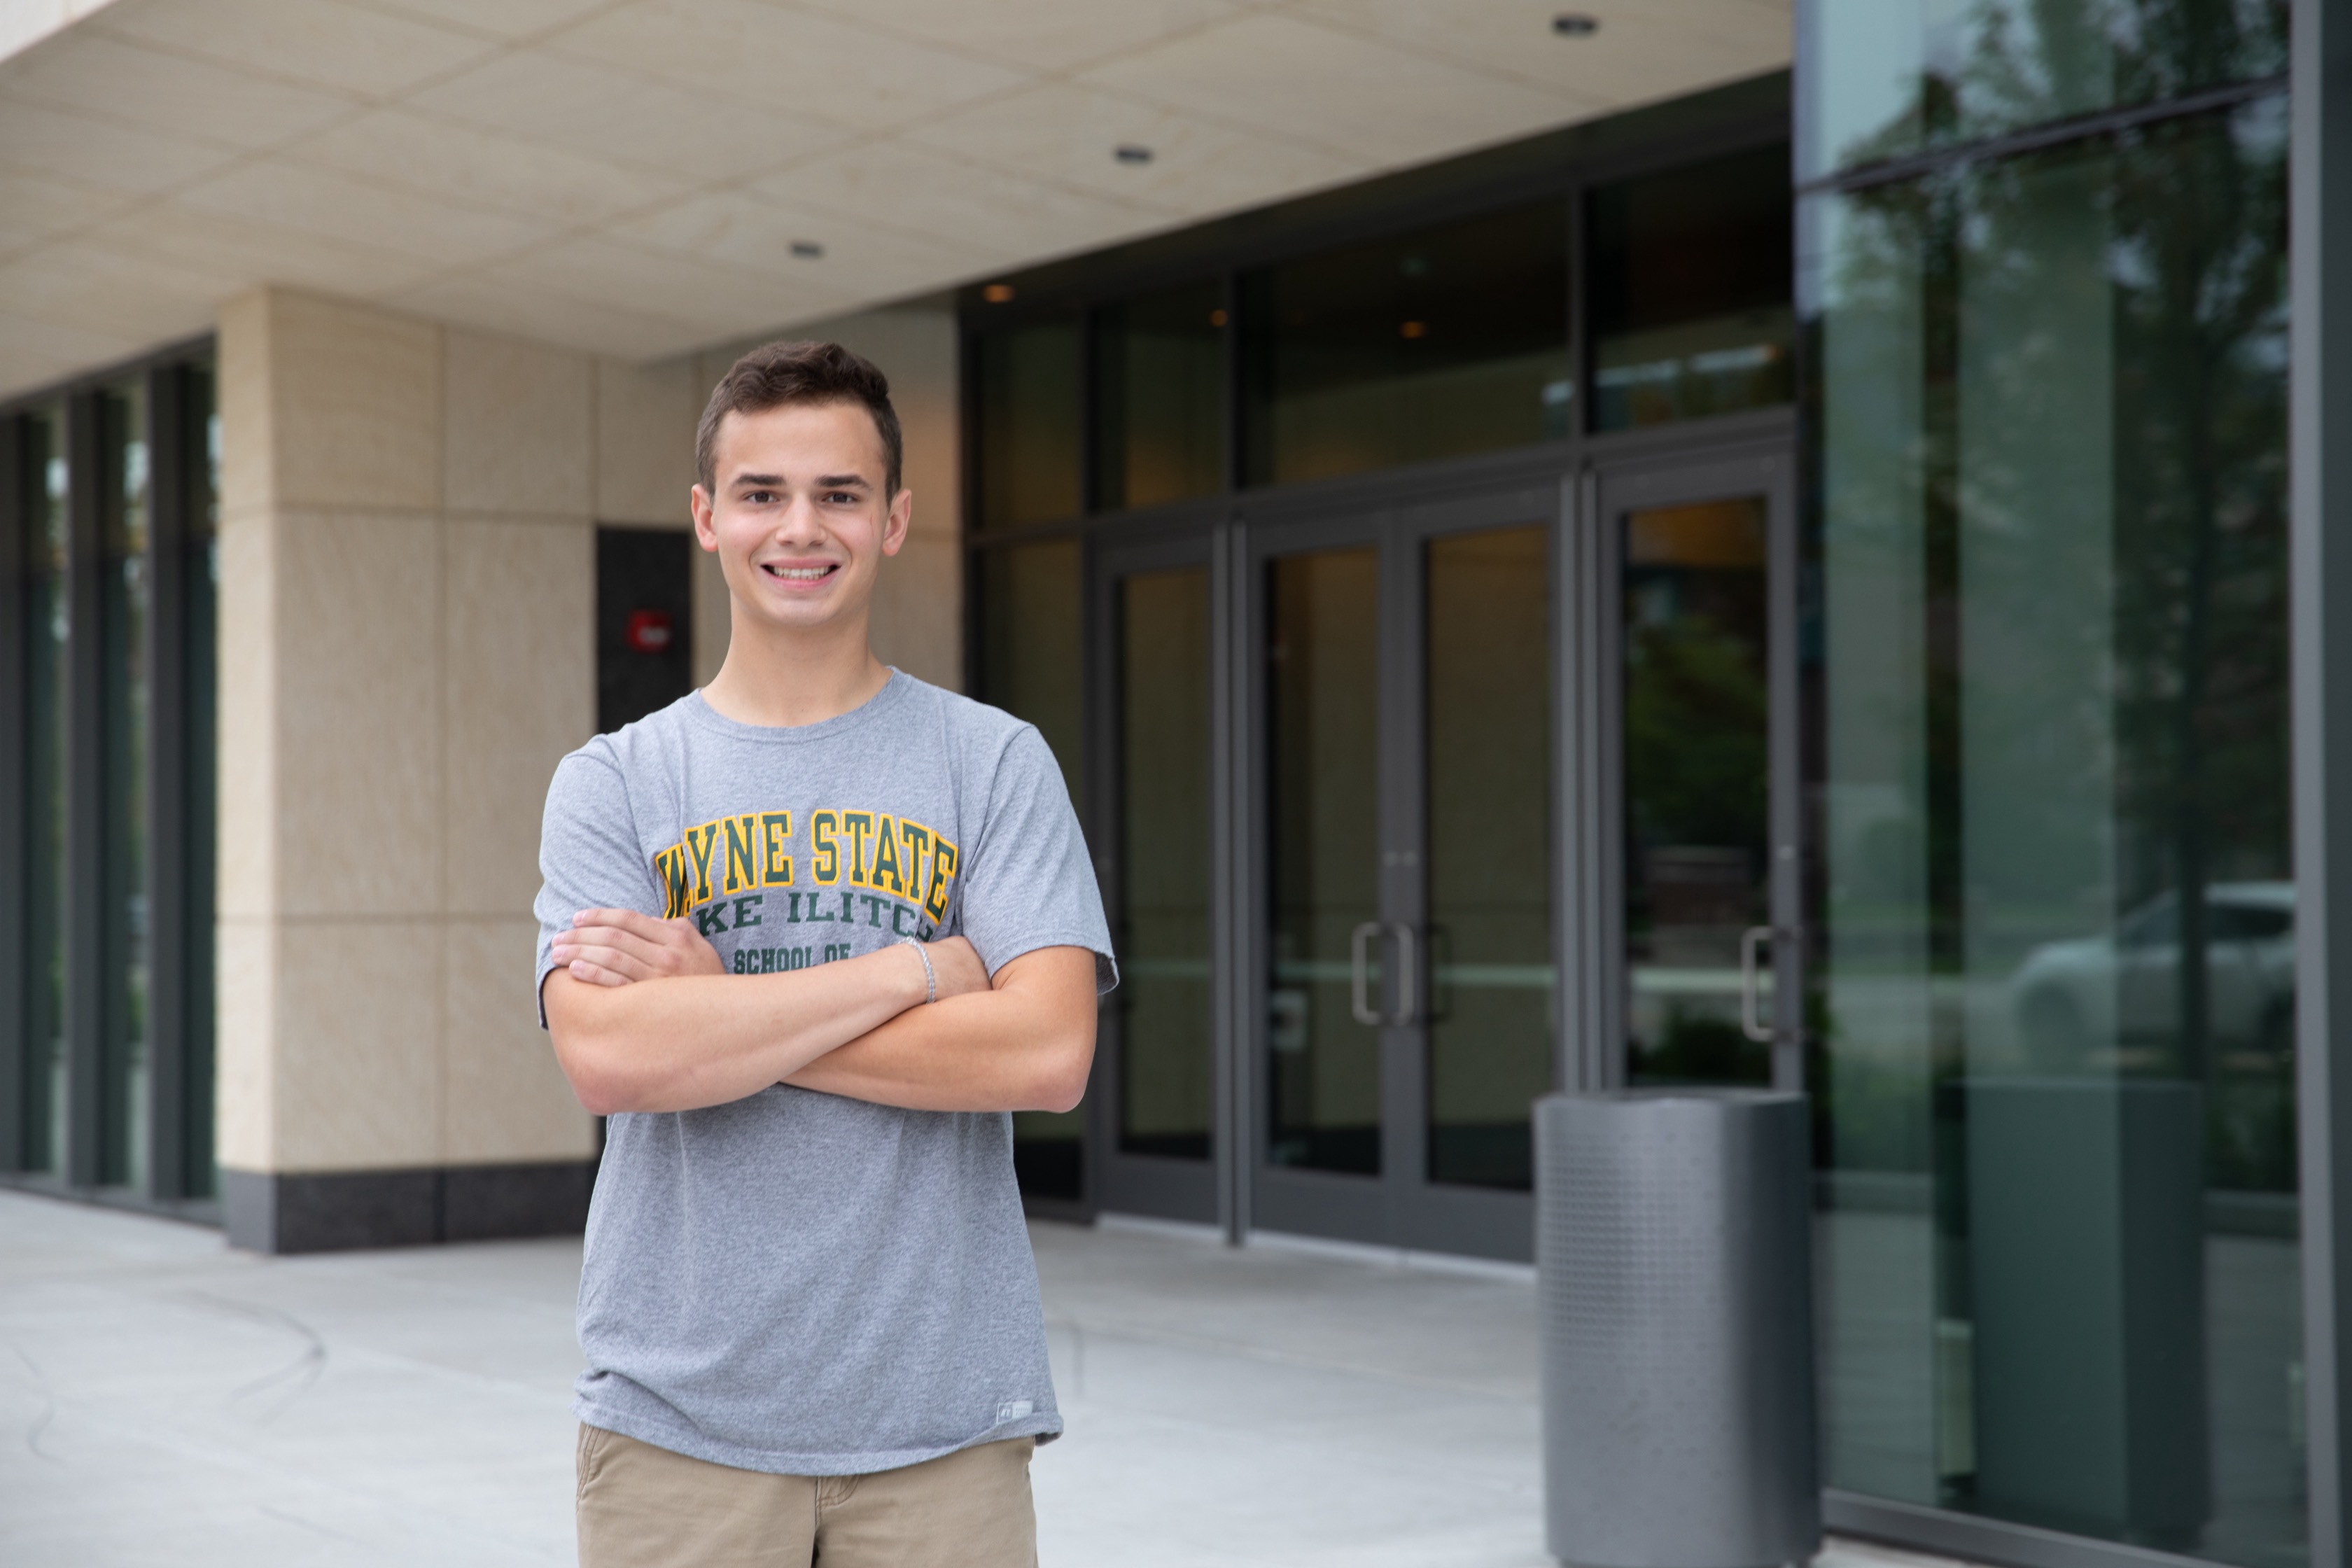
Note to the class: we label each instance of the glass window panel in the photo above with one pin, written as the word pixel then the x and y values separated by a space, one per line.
pixel 126 593
pixel 1437 343
pixel 1162 390
pixel 1691 312
pixel 1884 79
pixel 48 619
pixel 1166 1048
pixel 1493 982
pixel 1030 412
pixel 201 690
pixel 1032 651
pixel 1323 748
pixel 2055 1003
pixel 1697 784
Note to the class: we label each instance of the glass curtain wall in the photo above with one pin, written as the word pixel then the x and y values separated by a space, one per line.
pixel 2054 976
pixel 1032 659
pixel 1159 414
pixel 124 622
pixel 1690 312
pixel 1437 344
pixel 1167 1062
pixel 108 1058
pixel 48 619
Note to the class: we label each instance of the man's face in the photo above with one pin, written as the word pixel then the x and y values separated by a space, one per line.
pixel 799 519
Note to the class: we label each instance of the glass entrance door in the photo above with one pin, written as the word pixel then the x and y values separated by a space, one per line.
pixel 1403 728
pixel 1695 657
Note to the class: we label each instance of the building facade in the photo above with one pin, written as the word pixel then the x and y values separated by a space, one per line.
pixel 1811 573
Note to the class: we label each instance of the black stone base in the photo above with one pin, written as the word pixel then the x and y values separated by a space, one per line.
pixel 340 1210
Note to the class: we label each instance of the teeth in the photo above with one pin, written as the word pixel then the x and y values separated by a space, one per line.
pixel 799 574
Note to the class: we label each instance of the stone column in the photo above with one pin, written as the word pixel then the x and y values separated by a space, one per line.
pixel 407 558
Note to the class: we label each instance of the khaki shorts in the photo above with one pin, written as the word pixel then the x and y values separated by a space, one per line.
pixel 643 1507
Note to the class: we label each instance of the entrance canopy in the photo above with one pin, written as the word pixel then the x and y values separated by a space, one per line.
pixel 641 177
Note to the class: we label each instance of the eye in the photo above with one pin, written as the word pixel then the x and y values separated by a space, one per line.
pixel 842 497
pixel 760 498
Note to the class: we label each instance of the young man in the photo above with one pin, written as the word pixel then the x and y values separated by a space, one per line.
pixel 806 936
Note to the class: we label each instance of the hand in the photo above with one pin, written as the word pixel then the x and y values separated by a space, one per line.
pixel 614 947
pixel 957 964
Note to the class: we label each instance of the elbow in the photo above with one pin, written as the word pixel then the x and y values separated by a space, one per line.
pixel 598 1082
pixel 1063 1083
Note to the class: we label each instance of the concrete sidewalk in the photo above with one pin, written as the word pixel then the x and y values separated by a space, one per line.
pixel 165 1400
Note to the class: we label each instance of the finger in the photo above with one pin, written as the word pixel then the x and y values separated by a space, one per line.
pixel 654 954
pixel 631 920
pixel 613 960
pixel 595 975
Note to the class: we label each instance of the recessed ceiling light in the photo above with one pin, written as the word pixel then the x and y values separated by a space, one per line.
pixel 997 293
pixel 1216 318
pixel 1414 330
pixel 1131 153
pixel 1575 24
pixel 807 249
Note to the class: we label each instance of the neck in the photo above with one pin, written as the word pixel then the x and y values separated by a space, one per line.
pixel 786 677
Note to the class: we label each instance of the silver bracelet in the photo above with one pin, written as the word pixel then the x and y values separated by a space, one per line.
pixel 931 975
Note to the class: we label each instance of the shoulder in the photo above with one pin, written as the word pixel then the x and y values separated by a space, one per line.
pixel 614 766
pixel 972 727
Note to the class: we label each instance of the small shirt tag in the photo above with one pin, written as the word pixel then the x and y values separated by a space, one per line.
pixel 1013 1410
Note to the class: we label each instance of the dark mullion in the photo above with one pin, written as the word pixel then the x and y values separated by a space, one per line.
pixel 1229 291
pixel 85 879
pixel 168 915
pixel 16 1053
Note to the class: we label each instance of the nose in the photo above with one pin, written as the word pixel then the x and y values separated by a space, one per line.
pixel 800 522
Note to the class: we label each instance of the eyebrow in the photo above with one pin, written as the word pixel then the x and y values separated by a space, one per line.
pixel 825 481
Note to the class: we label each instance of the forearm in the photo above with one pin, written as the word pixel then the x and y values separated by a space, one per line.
pixel 1026 1044
pixel 686 1042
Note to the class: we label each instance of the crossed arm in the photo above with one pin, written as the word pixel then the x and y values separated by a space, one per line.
pixel 644 1018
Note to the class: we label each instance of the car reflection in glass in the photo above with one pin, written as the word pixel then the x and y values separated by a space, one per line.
pixel 2114 1002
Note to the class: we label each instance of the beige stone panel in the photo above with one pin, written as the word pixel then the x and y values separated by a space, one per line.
pixel 855 78
pixel 714 617
pixel 325 43
pixel 521 305
pixel 1273 72
pixel 244 1074
pixel 503 1098
pixel 358 825
pixel 519 674
pixel 242 352
pixel 357 1057
pixel 355 401
pixel 519 423
pixel 645 417
pixel 246 820
pixel 918 613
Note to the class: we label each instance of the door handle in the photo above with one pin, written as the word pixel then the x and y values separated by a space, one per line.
pixel 1360 976
pixel 1750 939
pixel 1408 971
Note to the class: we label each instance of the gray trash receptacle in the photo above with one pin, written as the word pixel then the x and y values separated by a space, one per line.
pixel 1674 1256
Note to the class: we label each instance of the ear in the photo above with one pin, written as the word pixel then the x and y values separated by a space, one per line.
pixel 901 518
pixel 705 523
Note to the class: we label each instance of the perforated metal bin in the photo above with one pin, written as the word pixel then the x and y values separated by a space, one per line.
pixel 1672 1248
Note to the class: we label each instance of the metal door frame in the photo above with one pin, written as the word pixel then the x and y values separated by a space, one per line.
pixel 1158 1186
pixel 1668 473
pixel 1399 1207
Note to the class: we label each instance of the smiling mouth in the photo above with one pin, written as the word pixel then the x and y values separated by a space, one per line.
pixel 801 573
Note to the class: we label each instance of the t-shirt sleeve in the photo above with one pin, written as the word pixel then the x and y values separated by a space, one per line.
pixel 1027 881
pixel 588 857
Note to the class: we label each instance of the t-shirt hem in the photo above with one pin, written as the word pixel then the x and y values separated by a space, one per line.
pixel 1044 1425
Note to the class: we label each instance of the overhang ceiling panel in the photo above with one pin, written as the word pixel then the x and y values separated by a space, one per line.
pixel 642 177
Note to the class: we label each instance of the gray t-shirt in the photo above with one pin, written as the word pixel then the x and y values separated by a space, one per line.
pixel 797 1282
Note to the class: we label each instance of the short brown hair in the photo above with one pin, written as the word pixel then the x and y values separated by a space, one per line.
pixel 776 374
